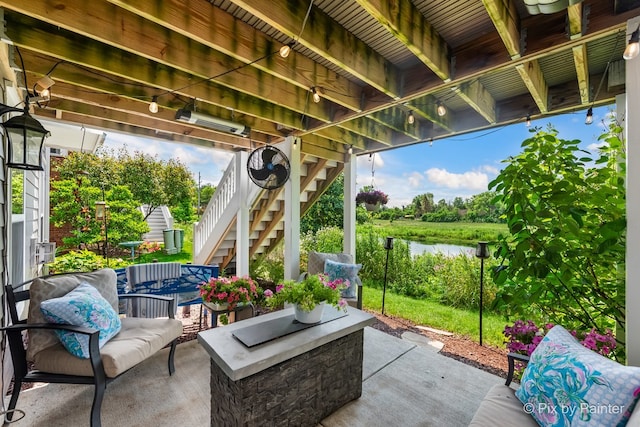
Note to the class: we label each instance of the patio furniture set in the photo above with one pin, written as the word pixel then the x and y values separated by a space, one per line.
pixel 113 335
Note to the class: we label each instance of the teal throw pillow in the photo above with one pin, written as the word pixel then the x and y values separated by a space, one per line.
pixel 338 270
pixel 566 384
pixel 83 306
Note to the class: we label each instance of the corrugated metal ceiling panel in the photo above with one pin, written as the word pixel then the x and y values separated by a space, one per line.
pixel 458 22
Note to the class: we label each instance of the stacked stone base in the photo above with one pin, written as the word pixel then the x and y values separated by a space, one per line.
pixel 297 392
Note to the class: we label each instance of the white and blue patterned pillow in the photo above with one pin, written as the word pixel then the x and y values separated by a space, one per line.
pixel 338 270
pixel 566 384
pixel 83 306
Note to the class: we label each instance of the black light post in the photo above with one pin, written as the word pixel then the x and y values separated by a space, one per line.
pixel 388 245
pixel 101 215
pixel 482 252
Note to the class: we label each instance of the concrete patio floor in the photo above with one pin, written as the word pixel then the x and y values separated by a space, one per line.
pixel 404 384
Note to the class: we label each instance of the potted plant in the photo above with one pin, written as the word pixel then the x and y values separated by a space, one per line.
pixel 225 293
pixel 371 198
pixel 308 296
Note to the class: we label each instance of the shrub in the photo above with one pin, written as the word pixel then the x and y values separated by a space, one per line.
pixel 83 261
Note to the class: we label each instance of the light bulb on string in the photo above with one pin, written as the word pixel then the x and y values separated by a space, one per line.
pixel 528 121
pixel 153 107
pixel 633 48
pixel 285 50
pixel 589 119
pixel 441 109
pixel 316 94
pixel 410 118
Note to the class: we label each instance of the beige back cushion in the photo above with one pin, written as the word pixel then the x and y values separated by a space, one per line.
pixel 43 289
pixel 317 259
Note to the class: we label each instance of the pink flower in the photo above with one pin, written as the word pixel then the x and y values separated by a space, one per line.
pixel 279 287
pixel 268 293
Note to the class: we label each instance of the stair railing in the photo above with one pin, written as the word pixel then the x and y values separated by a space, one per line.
pixel 220 210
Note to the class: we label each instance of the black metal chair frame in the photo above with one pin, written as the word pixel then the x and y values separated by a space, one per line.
pixel 22 374
pixel 511 359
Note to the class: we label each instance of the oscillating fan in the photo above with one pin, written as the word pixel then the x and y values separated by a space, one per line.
pixel 268 167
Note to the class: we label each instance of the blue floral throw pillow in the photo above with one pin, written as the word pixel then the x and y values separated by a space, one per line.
pixel 566 384
pixel 338 270
pixel 83 306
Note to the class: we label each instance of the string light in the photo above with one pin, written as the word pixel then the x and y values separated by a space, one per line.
pixel 350 150
pixel 410 118
pixel 589 119
pixel 316 94
pixel 528 121
pixel 633 48
pixel 285 50
pixel 153 107
pixel 441 109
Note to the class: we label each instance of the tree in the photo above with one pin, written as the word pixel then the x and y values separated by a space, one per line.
pixel 206 193
pixel 328 211
pixel 565 211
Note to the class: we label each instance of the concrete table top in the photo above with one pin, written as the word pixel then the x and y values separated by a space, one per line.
pixel 239 361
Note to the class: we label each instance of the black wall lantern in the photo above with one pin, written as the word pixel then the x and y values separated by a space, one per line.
pixel 26 136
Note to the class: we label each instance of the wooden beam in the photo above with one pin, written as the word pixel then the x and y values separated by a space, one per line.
pixel 582 71
pixel 317 151
pixel 504 15
pixel 402 19
pixel 139 71
pixel 479 98
pixel 370 129
pixel 532 77
pixel 574 15
pixel 108 125
pixel 152 123
pixel 426 107
pixel 396 119
pixel 328 39
pixel 94 20
pixel 167 106
pixel 199 20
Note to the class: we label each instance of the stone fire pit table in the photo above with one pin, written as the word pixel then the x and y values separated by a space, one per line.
pixel 296 379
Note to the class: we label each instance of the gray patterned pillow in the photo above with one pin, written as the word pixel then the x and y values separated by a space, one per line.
pixel 317 259
pixel 56 286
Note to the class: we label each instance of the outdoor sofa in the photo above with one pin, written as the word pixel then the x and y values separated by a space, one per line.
pixel 598 390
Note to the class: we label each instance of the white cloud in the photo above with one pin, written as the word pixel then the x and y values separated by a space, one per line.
pixel 415 179
pixel 467 181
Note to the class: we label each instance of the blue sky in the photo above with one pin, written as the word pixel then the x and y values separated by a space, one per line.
pixel 459 166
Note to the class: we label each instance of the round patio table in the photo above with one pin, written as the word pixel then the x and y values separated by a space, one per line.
pixel 133 245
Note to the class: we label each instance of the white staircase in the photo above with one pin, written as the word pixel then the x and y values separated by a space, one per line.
pixel 160 219
pixel 215 235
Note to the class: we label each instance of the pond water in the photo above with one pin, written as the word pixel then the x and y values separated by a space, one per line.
pixel 416 248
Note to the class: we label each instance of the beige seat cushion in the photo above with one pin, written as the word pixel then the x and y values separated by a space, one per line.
pixel 138 339
pixel 317 259
pixel 56 286
pixel 501 408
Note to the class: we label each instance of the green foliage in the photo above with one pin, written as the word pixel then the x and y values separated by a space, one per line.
pixel 307 293
pixel 206 193
pixel 328 211
pixel 82 261
pixel 463 322
pixel 269 267
pixel 17 191
pixel 564 253
pixel 73 202
pixel 454 233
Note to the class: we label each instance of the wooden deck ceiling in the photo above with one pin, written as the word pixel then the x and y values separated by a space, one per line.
pixel 489 62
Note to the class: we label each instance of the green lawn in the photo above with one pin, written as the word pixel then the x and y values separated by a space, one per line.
pixel 428 313
pixel 460 233
pixel 185 256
